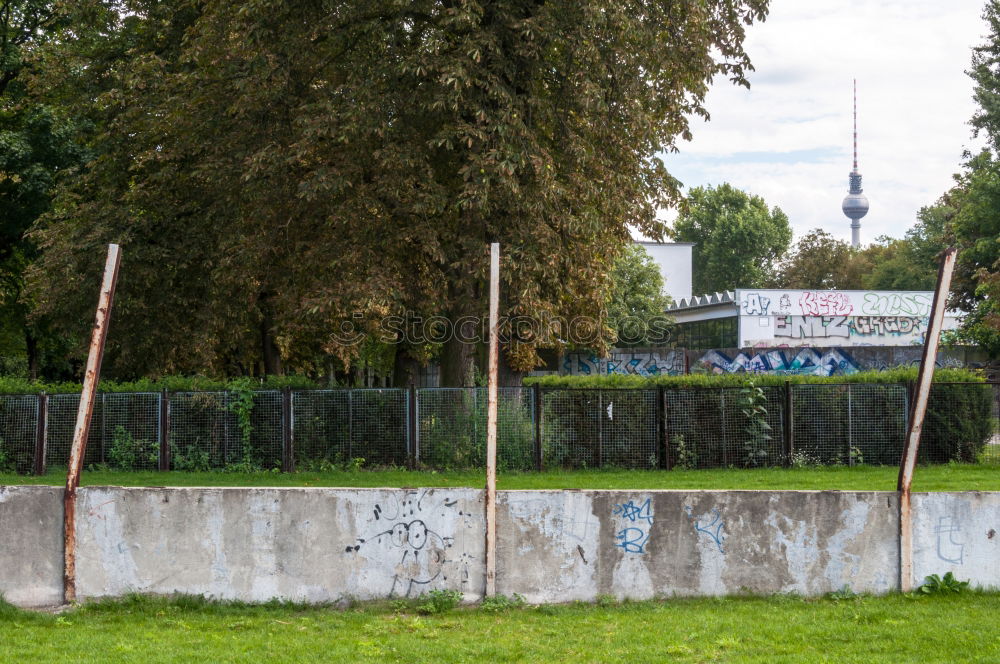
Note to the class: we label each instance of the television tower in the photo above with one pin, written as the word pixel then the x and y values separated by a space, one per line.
pixel 855 204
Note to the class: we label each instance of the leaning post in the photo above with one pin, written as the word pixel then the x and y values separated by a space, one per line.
pixel 83 415
pixel 491 426
pixel 918 408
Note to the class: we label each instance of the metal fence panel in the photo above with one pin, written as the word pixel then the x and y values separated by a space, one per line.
pixel 961 423
pixel 18 426
pixel 338 426
pixel 452 427
pixel 203 431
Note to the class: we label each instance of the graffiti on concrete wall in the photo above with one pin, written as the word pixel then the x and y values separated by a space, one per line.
pixel 402 531
pixel 635 520
pixel 948 549
pixel 808 361
pixel 712 530
pixel 897 304
pixel 825 303
pixel 639 363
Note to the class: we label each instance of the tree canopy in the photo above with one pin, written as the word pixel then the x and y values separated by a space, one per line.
pixel 274 169
pixel 738 240
pixel 637 302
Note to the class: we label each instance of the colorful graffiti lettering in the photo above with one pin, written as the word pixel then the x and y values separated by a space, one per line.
pixel 667 362
pixel 887 325
pixel 897 304
pixel 811 327
pixel 826 303
pixel 756 304
pixel 833 361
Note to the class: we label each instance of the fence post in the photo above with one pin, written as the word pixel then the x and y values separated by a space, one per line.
pixel 412 454
pixel 350 425
pixel 41 434
pixel 725 437
pixel 850 427
pixel 600 429
pixel 789 425
pixel 163 430
pixel 287 432
pixel 537 389
pixel 661 407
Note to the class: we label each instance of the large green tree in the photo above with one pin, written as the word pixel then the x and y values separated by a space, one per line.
pixel 273 168
pixel 637 302
pixel 738 240
pixel 820 261
pixel 36 144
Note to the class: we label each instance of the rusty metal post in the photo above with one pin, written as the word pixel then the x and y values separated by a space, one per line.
pixel 41 434
pixel 164 431
pixel 83 415
pixel 491 425
pixel 917 410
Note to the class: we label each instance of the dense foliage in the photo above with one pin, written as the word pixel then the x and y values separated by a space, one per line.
pixel 275 170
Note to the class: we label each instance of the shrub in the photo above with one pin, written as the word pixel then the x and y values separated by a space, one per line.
pixel 127 453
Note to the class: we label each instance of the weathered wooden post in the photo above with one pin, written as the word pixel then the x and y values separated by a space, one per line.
pixel 491 426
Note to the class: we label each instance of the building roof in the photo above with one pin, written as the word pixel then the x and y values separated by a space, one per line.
pixel 712 299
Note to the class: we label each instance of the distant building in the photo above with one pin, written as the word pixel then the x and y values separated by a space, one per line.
pixel 674 260
pixel 804 318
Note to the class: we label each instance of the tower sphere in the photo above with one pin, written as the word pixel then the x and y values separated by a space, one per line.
pixel 855 206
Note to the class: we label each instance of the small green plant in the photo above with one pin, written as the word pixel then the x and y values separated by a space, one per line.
pixel 127 453
pixel 856 457
pixel 803 459
pixel 757 428
pixel 605 600
pixel 354 465
pixel 241 404
pixel 687 455
pixel 942 585
pixel 192 459
pixel 439 601
pixel 6 461
pixel 844 593
pixel 500 603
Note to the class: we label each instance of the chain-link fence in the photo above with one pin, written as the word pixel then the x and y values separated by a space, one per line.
pixel 796 425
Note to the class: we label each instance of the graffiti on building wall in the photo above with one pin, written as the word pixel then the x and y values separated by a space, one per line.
pixel 825 303
pixel 639 363
pixel 824 327
pixel 833 303
pixel 808 361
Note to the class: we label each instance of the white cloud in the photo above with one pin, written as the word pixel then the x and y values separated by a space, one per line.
pixel 914 103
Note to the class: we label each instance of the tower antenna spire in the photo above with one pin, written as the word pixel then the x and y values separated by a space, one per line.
pixel 855 124
pixel 855 204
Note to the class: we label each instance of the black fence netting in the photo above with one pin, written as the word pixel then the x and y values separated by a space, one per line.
pixel 790 425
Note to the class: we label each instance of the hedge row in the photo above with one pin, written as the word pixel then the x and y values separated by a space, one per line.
pixel 896 375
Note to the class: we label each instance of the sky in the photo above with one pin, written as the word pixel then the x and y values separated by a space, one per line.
pixel 789 138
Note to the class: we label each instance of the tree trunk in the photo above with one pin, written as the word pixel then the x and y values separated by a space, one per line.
pixel 269 350
pixel 31 348
pixel 458 361
pixel 405 370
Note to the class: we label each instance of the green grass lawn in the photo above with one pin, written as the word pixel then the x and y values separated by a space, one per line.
pixel 950 477
pixel 781 629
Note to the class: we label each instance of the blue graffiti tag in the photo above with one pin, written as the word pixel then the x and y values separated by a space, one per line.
pixel 633 512
pixel 713 530
pixel 633 538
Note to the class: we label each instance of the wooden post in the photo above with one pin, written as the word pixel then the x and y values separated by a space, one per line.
pixel 287 424
pixel 789 423
pixel 83 415
pixel 917 410
pixel 41 434
pixel 164 430
pixel 537 389
pixel 491 426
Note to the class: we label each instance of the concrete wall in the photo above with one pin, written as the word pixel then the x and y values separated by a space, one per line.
pixel 553 546
pixel 31 545
pixel 567 545
pixel 312 545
